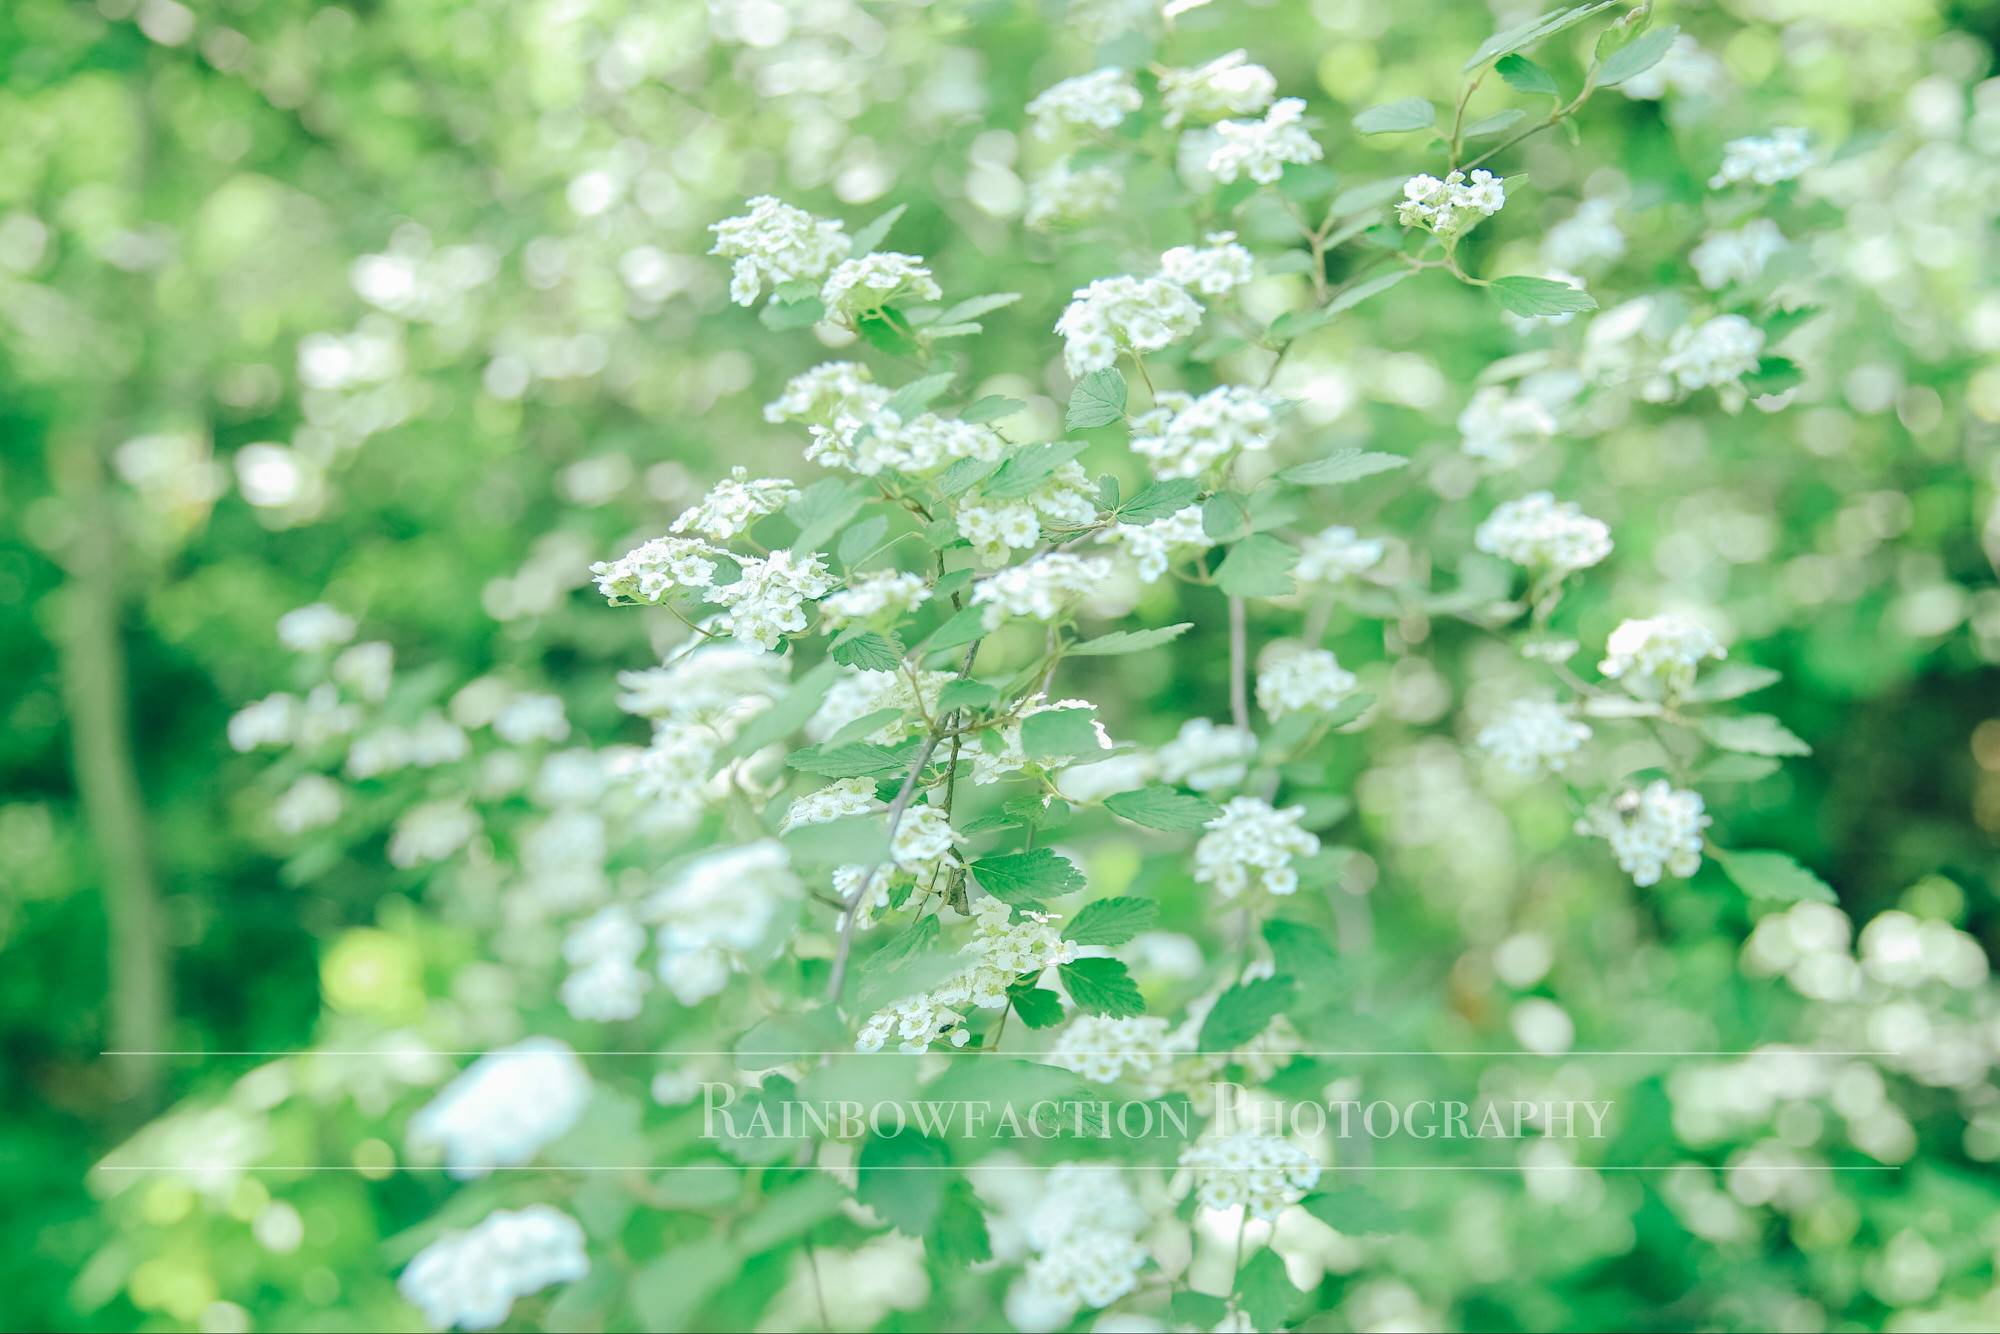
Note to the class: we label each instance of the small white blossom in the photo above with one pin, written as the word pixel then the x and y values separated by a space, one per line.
pixel 1738 256
pixel 1666 644
pixel 1503 427
pixel 922 444
pixel 1001 949
pixel 718 683
pixel 827 391
pixel 1261 1173
pixel 1205 756
pixel 1183 436
pixel 1042 588
pixel 1336 553
pixel 366 669
pixel 1085 1233
pixel 1104 1049
pixel 1226 86
pixel 777 242
pixel 923 836
pixel 1066 194
pixel 1153 544
pixel 312 802
pixel 861 285
pixel 432 832
pixel 1102 20
pixel 311 629
pixel 721 905
pixel 651 572
pixel 1213 269
pixel 1452 205
pixel 868 596
pixel 1543 535
pixel 436 740
pixel 1652 830
pixel 1251 844
pixel 1142 314
pixel 504 1107
pixel 768 602
pixel 605 983
pixel 1532 733
pixel 527 718
pixel 1585 236
pixel 995 529
pixel 915 1022
pixel 1765 161
pixel 1308 679
pixel 849 796
pixel 1260 149
pixel 472 1278
pixel 1100 99
pixel 733 505
pixel 271 721
pixel 1719 352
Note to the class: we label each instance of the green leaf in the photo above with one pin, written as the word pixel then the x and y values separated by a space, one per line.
pixel 1774 875
pixel 1259 566
pixel 910 401
pixel 1264 1291
pixel 789 1212
pixel 1525 75
pixel 1295 322
pixel 1102 986
pixel 902 1179
pixel 1126 641
pixel 1098 400
pixel 991 408
pixel 1353 1212
pixel 966 694
pixel 1107 492
pixel 1225 517
pixel 1300 951
pixel 973 307
pixel 1041 812
pixel 1349 709
pixel 1028 877
pixel 1733 682
pixel 1059 733
pixel 1774 375
pixel 778 316
pixel 911 944
pixel 1360 292
pixel 1160 500
pixel 1112 921
pixel 942 534
pixel 782 1037
pixel 1244 1011
pixel 1037 1007
pixel 1342 465
pixel 857 542
pixel 1496 123
pixel 962 628
pixel 1620 34
pixel 861 760
pixel 876 232
pixel 965 330
pixel 1637 58
pixel 790 713
pixel 1409 113
pixel 1200 1309
pixel 1525 35
pixel 868 651
pixel 863 726
pixel 1528 297
pixel 1734 767
pixel 1755 734
pixel 958 1239
pixel 1368 195
pixel 822 510
pixel 887 332
pixel 1291 261
pixel 1029 468
pixel 1162 808
pixel 964 474
pixel 667 1290
pixel 1778 325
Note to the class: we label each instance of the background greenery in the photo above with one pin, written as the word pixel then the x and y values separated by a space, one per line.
pixel 182 194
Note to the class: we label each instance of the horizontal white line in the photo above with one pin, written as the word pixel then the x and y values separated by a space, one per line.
pixel 963 1051
pixel 1025 1167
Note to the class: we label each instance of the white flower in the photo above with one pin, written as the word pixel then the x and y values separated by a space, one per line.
pixel 1084 1230
pixel 1720 352
pixel 767 602
pixel 1537 532
pixel 436 740
pixel 849 796
pixel 382 751
pixel 1591 233
pixel 1104 1050
pixel 1205 756
pixel 1183 436
pixel 271 721
pixel 1252 844
pixel 920 445
pixel 1000 951
pixel 1261 1173
pixel 719 906
pixel 1765 161
pixel 991 766
pixel 1101 98
pixel 863 284
pixel 1686 68
pixel 471 1279
pixel 366 669
pixel 1667 644
pixel 1042 588
pixel 672 771
pixel 1153 544
pixel 310 629
pixel 504 1107
pixel 1260 149
pixel 1144 314
pixel 719 683
pixel 778 242
pixel 651 572
pixel 1738 256
pixel 1310 678
pixel 870 595
pixel 526 718
pixel 1654 829
pixel 923 836
pixel 827 392
pixel 915 1022
pixel 1503 427
pixel 1064 194
pixel 1213 269
pixel 1226 86
pixel 1451 205
pixel 432 832
pixel 603 951
pixel 1101 20
pixel 1336 553
pixel 996 528
pixel 733 505
pixel 1531 733
pixel 313 801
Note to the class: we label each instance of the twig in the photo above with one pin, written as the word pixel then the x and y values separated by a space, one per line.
pixel 1239 664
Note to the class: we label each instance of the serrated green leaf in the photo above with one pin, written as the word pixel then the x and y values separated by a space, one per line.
pixel 1342 465
pixel 1525 75
pixel 790 713
pixel 1774 375
pixel 1201 1309
pixel 1059 733
pixel 857 542
pixel 1112 921
pixel 1126 641
pixel 962 330
pixel 1264 1291
pixel 964 474
pixel 963 628
pixel 910 401
pixel 1778 325
pixel 1349 709
pixel 1107 492
pixel 885 331
pixel 1160 500
pixel 1408 113
pixel 1733 682
pixel 1522 36
pixel 1028 877
pixel 958 1238
pixel 866 725
pixel 992 408
pixel 1360 292
pixel 1295 322
pixel 1529 297
pixel 1641 55
pixel 966 694
pixel 1029 468
pixel 1162 808
pixel 1260 566
pixel 1300 952
pixel 1366 196
pixel 1496 123
pixel 778 316
pixel 1291 261
pixel 911 944
pixel 973 307
pixel 857 760
pixel 1754 734
pixel 902 1179
pixel 1102 986
pixel 1225 517
pixel 987 824
pixel 1244 1011
pixel 822 510
pixel 876 232
pixel 1353 1212
pixel 868 651
pixel 1774 875
pixel 1037 1007
pixel 1735 767
pixel 1098 399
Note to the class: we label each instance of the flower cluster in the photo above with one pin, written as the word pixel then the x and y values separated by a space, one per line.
pixel 1306 680
pixel 719 906
pixel 1140 314
pixel 472 1278
pixel 1228 85
pixel 1652 830
pixel 869 596
pixel 863 284
pixel 1205 756
pixel 1103 1049
pixel 848 797
pixel 779 243
pixel 1721 351
pixel 1502 427
pixel 768 602
pixel 1213 269
pixel 1084 1231
pixel 732 506
pixel 1068 194
pixel 1154 546
pixel 1099 100
pixel 1586 236
pixel 603 950
pixel 504 1107
pixel 1548 537
pixel 1336 553
pixel 1738 256
pixel 1260 149
pixel 1531 734
pixel 1450 206
pixel 651 572
pixel 1001 949
pixel 1184 436
pixel 1260 1173
pixel 1666 645
pixel 1766 161
pixel 1041 588
pixel 1251 844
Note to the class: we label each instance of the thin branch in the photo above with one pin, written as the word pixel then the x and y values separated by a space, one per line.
pixel 1239 664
